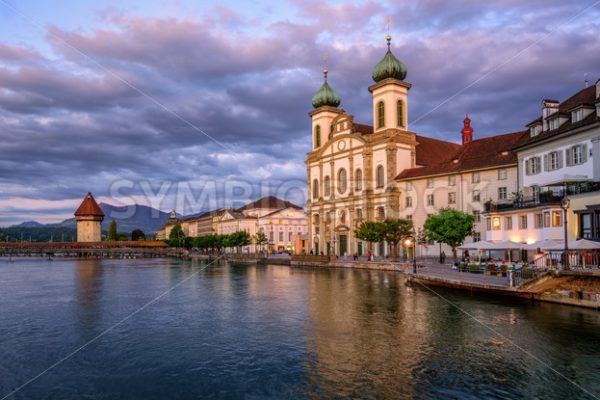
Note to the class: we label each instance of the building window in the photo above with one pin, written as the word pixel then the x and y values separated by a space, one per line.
pixel 533 166
pixel 317 136
pixel 552 161
pixel 488 224
pixel 271 237
pixel 523 222
pixel 508 223
pixel 586 225
pixel 577 115
pixel 400 112
pixel 359 215
pixel 556 218
pixel 316 219
pixel 429 183
pixel 409 217
pixel 496 223
pixel 281 236
pixel 327 186
pixel 502 194
pixel 343 217
pixel 429 199
pixel 502 174
pixel 553 124
pixel 408 202
pixel 476 196
pixel 547 219
pixel 380 115
pixel 408 186
pixel 342 181
pixel 477 215
pixel 538 221
pixel 476 237
pixel 380 176
pixel 576 155
pixel 475 177
pixel 290 236
pixel 358 179
pixel 452 198
pixel 535 191
pixel 452 180
pixel 381 212
pixel 315 189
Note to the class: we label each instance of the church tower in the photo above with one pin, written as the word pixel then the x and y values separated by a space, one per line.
pixel 325 103
pixel 467 131
pixel 89 218
pixel 390 93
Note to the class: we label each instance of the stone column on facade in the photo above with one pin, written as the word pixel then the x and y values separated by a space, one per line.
pixel 332 178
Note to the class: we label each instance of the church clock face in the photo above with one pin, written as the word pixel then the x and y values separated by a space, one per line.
pixel 341 145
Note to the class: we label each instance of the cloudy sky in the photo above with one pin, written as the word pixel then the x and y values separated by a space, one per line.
pixel 177 103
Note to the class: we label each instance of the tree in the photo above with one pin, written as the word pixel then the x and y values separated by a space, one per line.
pixel 239 239
pixel 260 239
pixel 371 232
pixel 450 227
pixel 138 234
pixel 394 230
pixel 112 230
pixel 176 236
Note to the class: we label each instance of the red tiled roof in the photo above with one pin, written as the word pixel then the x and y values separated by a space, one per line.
pixel 493 151
pixel 89 207
pixel 585 96
pixel 269 202
pixel 433 151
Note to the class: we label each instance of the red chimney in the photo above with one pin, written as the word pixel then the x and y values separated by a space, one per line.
pixel 467 131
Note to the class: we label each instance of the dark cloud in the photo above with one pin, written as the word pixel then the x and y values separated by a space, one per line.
pixel 224 98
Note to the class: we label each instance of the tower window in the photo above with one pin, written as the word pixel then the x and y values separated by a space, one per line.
pixel 317 136
pixel 400 112
pixel 380 115
pixel 315 189
pixel 380 177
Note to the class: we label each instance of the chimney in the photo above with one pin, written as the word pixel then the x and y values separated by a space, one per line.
pixel 549 107
pixel 467 131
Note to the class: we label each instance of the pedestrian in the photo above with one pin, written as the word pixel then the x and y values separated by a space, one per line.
pixel 369 256
pixel 355 256
pixel 443 257
pixel 311 252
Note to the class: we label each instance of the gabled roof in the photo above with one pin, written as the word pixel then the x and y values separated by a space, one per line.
pixel 269 202
pixel 89 207
pixel 489 152
pixel 584 97
pixel 278 211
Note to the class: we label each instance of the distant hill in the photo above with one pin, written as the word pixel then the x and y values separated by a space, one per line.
pixel 28 224
pixel 128 218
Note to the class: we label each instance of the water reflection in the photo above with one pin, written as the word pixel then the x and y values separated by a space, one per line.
pixel 89 281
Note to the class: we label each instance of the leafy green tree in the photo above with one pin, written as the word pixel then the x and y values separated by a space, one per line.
pixel 138 234
pixel 450 227
pixel 394 230
pixel 240 239
pixel 112 230
pixel 260 240
pixel 176 236
pixel 371 232
pixel 122 236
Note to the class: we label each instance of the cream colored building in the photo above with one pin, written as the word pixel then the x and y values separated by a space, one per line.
pixel 89 217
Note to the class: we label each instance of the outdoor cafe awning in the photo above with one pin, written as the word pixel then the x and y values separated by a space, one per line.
pixel 543 244
pixel 488 245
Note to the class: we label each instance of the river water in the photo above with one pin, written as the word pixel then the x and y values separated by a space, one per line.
pixel 172 329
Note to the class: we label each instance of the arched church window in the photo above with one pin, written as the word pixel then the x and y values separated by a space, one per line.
pixel 317 136
pixel 327 186
pixel 400 111
pixel 380 177
pixel 380 114
pixel 316 219
pixel 358 178
pixel 315 189
pixel 342 180
pixel 381 212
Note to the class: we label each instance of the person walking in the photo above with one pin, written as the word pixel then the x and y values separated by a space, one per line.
pixel 443 257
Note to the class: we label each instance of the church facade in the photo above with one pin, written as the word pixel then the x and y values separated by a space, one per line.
pixel 352 167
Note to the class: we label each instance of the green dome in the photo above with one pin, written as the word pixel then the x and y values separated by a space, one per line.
pixel 326 96
pixel 389 67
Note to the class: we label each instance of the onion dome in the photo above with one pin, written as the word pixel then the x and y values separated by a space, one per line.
pixel 326 96
pixel 389 66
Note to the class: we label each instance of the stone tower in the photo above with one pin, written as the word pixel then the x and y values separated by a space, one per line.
pixel 89 218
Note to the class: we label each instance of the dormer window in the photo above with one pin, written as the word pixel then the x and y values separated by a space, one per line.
pixel 553 124
pixel 577 115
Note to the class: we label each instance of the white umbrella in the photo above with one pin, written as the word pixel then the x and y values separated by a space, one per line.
pixel 481 245
pixel 581 244
pixel 506 245
pixel 543 244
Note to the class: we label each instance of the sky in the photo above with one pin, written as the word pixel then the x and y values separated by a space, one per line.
pixel 191 105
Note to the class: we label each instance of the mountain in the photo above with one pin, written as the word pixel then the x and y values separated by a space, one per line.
pixel 28 224
pixel 130 217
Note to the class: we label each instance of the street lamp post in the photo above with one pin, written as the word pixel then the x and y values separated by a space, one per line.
pixel 564 204
pixel 408 243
